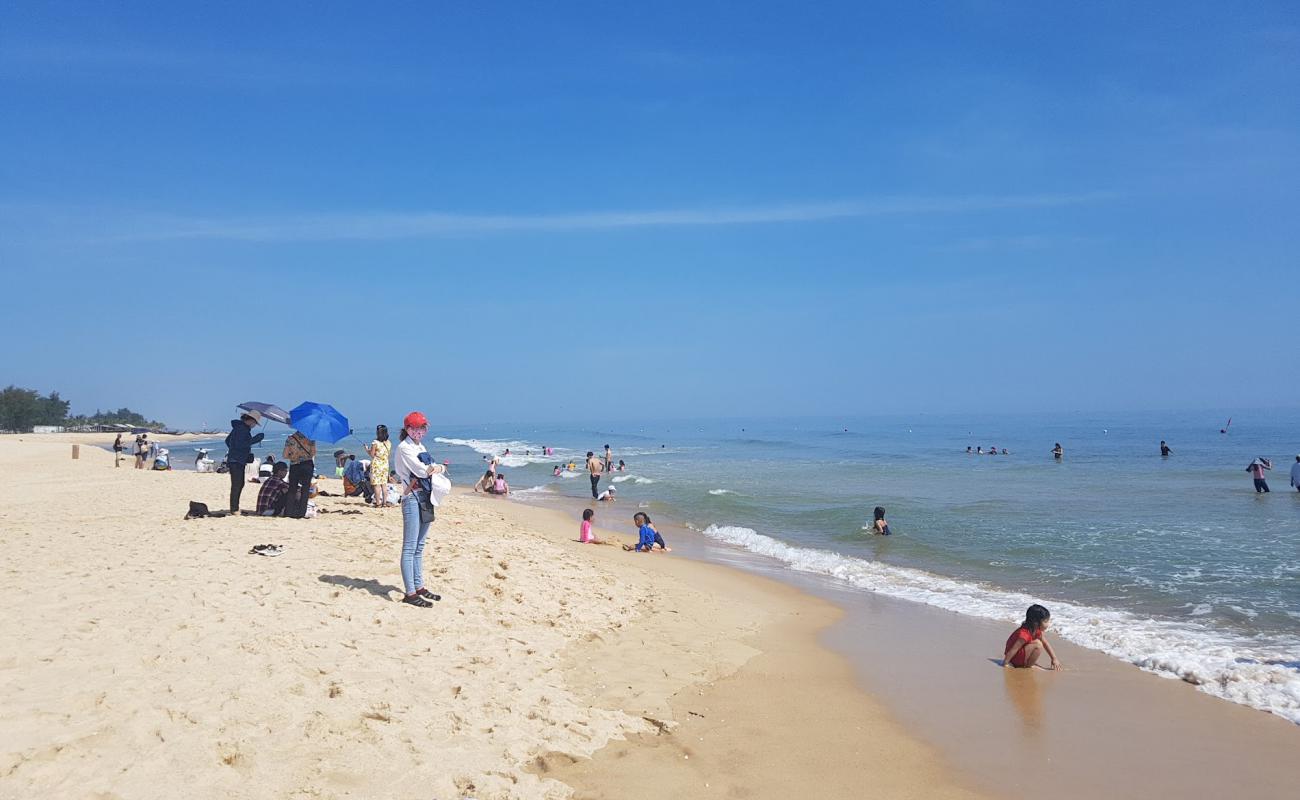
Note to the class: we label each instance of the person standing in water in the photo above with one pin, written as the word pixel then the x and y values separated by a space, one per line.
pixel 880 525
pixel 594 466
pixel 1256 470
pixel 1295 474
pixel 1164 449
pixel 1058 451
pixel 609 459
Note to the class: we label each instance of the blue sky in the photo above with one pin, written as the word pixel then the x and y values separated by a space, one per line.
pixel 594 210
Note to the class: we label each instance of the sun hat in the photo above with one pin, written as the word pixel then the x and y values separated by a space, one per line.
pixel 256 416
pixel 415 419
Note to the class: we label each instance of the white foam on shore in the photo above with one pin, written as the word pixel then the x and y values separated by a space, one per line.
pixel 517 457
pixel 529 493
pixel 633 478
pixel 1264 674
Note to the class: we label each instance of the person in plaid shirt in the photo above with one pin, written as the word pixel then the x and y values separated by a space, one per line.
pixel 274 493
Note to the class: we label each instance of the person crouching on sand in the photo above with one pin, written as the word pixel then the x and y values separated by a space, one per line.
pixel 584 531
pixel 484 483
pixel 647 536
pixel 1027 642
pixel 499 485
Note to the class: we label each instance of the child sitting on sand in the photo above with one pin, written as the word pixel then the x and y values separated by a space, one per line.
pixel 1026 644
pixel 647 536
pixel 584 531
pixel 499 485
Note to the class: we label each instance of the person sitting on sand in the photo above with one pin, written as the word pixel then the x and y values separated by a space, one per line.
pixel 879 524
pixel 266 468
pixel 647 536
pixel 1026 643
pixel 499 485
pixel 607 496
pixel 484 484
pixel 274 494
pixel 356 480
pixel 584 531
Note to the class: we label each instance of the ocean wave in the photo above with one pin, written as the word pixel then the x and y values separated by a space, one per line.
pixel 720 491
pixel 525 494
pixel 1252 671
pixel 517 457
pixel 633 478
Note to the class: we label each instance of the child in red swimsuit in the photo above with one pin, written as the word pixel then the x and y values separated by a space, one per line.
pixel 1026 644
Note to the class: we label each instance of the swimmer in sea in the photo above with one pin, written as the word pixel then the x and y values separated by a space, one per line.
pixel 1165 450
pixel 1058 451
pixel 880 525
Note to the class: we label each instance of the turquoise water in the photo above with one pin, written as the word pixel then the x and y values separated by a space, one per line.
pixel 1174 564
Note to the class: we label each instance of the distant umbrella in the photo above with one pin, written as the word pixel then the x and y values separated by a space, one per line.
pixel 319 422
pixel 271 412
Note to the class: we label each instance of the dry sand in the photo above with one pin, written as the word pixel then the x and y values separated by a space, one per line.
pixel 148 656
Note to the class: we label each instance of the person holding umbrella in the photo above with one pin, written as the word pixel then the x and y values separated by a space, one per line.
pixel 414 466
pixel 300 452
pixel 239 444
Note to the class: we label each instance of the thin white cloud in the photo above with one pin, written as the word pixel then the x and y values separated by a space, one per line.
pixel 380 226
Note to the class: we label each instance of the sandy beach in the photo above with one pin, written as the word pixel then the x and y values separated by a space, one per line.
pixel 154 655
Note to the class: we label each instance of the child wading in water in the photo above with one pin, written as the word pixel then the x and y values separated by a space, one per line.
pixel 1026 644
pixel 647 536
pixel 584 532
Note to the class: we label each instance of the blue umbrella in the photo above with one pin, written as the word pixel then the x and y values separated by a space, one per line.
pixel 319 422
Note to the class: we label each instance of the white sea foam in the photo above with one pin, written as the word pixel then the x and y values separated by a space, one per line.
pixel 517 457
pixel 526 494
pixel 1254 672
pixel 720 491
pixel 633 478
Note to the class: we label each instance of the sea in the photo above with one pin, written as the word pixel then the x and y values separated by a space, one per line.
pixel 1174 564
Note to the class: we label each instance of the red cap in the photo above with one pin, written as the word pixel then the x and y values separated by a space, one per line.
pixel 415 420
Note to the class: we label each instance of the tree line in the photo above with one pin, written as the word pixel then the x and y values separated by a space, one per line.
pixel 23 409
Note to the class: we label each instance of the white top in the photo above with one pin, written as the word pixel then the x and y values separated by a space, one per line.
pixel 406 461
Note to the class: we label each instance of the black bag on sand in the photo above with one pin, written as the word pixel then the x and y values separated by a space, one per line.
pixel 198 510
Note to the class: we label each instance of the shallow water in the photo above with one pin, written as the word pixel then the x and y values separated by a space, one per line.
pixel 1174 564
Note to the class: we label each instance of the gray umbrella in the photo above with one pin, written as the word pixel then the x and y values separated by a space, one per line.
pixel 267 410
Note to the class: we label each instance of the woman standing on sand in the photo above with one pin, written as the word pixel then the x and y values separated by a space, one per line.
pixel 413 466
pixel 379 451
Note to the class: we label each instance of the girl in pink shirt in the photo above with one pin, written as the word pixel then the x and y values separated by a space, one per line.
pixel 584 532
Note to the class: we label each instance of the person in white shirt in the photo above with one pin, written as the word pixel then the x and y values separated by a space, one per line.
pixel 411 470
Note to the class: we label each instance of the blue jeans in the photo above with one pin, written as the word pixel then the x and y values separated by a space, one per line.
pixel 414 533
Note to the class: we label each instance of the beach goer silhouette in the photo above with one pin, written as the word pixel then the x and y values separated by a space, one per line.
pixel 1027 643
pixel 1165 449
pixel 1295 474
pixel 1058 451
pixel 239 446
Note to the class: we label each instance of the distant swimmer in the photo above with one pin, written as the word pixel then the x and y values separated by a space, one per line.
pixel 1058 451
pixel 1004 452
pixel 558 470
pixel 979 451
pixel 993 450
pixel 1295 474
pixel 880 525
pixel 621 466
pixel 968 450
pixel 1164 449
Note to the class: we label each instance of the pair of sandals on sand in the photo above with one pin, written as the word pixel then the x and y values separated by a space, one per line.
pixel 266 550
